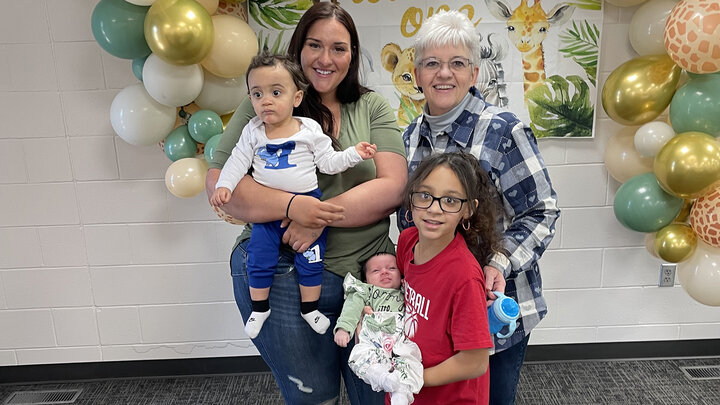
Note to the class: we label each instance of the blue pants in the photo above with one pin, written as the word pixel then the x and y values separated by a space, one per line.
pixel 262 252
pixel 307 366
pixel 505 373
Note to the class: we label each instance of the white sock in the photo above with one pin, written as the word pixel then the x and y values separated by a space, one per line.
pixel 317 321
pixel 255 323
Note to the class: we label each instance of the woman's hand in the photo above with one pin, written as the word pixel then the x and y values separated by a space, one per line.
pixel 299 237
pixel 313 213
pixel 210 180
pixel 494 281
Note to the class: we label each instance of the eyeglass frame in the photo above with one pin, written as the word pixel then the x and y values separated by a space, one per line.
pixel 439 200
pixel 466 60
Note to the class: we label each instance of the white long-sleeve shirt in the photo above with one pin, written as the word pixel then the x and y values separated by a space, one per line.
pixel 286 164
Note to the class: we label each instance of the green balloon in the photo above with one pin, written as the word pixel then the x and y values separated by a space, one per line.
pixel 179 144
pixel 137 66
pixel 642 205
pixel 119 28
pixel 210 146
pixel 204 124
pixel 695 107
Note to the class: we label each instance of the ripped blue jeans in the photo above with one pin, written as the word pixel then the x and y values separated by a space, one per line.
pixel 307 366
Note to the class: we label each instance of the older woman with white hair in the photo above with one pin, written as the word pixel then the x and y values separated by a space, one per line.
pixel 457 118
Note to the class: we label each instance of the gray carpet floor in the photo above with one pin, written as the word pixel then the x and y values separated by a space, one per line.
pixel 658 381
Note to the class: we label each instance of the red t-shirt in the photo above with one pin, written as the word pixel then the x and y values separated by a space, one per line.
pixel 445 312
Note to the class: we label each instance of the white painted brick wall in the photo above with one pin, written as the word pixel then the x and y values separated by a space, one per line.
pixel 99 262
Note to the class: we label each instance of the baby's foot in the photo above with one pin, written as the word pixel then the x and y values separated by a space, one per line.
pixel 255 323
pixel 317 321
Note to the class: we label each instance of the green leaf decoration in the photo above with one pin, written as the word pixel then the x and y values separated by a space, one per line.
pixel 581 45
pixel 587 4
pixel 278 14
pixel 277 47
pixel 409 110
pixel 557 110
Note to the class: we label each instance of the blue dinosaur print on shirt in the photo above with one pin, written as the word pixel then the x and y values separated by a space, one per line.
pixel 276 156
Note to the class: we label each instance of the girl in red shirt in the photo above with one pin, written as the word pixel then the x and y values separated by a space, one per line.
pixel 450 198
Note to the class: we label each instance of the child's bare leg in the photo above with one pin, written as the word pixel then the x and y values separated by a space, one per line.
pixel 261 311
pixel 310 295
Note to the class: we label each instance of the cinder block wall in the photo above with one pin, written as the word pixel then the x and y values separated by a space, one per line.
pixel 99 262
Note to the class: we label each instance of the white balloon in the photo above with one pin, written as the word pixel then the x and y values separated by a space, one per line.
pixel 141 2
pixel 651 137
pixel 220 94
pixel 138 119
pixel 700 275
pixel 647 27
pixel 169 84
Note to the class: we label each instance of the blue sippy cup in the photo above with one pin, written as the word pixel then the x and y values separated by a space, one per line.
pixel 504 311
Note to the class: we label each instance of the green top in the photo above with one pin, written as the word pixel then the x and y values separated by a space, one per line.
pixel 369 119
pixel 359 294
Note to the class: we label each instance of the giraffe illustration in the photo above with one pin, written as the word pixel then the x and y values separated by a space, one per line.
pixel 527 28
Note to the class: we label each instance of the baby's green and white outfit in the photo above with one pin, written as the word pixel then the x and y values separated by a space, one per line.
pixel 383 357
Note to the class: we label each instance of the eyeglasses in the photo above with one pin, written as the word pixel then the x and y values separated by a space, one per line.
pixel 423 200
pixel 456 64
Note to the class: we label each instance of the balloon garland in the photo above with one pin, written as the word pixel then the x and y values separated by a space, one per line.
pixel 670 172
pixel 190 57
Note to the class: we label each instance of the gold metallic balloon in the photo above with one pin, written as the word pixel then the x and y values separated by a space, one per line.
pixel 675 243
pixel 179 31
pixel 650 244
pixel 688 165
pixel 226 118
pixel 685 211
pixel 639 90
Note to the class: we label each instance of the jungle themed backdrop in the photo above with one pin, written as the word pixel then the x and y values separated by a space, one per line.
pixel 539 57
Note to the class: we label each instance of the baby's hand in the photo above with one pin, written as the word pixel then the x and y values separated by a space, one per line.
pixel 366 150
pixel 342 338
pixel 220 196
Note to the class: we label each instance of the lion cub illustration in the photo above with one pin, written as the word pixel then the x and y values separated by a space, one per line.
pixel 400 63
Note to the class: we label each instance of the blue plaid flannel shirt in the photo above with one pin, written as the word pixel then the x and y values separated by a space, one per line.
pixel 508 150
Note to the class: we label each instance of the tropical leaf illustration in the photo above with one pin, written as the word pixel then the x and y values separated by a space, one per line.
pixel 587 4
pixel 559 110
pixel 581 44
pixel 409 109
pixel 278 14
pixel 277 47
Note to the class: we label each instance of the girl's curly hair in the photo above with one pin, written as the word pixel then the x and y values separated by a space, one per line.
pixel 482 237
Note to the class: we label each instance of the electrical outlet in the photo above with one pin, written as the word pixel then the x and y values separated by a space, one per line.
pixel 667 275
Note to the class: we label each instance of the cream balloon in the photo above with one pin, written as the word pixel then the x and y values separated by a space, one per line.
pixel 141 2
pixel 172 85
pixel 138 119
pixel 651 137
pixel 622 160
pixel 625 3
pixel 221 94
pixel 234 45
pixel 700 275
pixel 650 244
pixel 185 178
pixel 210 5
pixel 647 27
